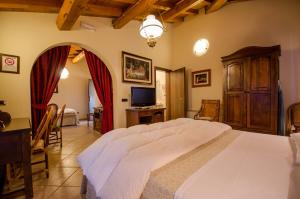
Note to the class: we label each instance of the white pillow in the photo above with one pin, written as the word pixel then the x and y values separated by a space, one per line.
pixel 295 139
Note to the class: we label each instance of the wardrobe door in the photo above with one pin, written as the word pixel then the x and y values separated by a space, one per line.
pixel 262 94
pixel 234 98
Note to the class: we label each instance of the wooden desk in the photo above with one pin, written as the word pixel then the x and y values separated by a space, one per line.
pixel 135 116
pixel 15 147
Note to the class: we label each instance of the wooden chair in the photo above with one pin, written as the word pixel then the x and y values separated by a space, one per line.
pixel 210 110
pixel 37 146
pixel 55 133
pixel 293 119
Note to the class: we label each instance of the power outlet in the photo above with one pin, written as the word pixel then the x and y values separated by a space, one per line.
pixel 124 100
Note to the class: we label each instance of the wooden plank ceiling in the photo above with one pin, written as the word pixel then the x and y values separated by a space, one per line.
pixel 121 11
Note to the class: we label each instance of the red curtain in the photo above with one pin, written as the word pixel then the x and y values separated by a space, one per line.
pixel 103 86
pixel 44 77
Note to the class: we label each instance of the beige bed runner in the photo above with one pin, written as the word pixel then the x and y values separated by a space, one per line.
pixel 164 181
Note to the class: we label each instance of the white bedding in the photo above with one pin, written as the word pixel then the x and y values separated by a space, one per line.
pixel 119 164
pixel 70 117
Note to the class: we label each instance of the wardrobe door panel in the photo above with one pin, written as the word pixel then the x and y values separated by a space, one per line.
pixel 260 75
pixel 259 115
pixel 235 109
pixel 235 75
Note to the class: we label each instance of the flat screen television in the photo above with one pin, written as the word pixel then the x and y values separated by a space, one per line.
pixel 142 96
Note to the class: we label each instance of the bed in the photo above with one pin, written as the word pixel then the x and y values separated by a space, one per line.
pixel 70 117
pixel 187 159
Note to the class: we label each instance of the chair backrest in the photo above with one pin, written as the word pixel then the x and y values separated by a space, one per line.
pixel 210 108
pixel 54 107
pixel 43 127
pixel 293 117
pixel 60 116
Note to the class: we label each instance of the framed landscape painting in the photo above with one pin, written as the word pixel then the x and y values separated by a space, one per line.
pixel 136 69
pixel 201 78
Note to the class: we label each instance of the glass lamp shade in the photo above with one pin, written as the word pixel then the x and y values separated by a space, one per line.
pixel 200 47
pixel 64 74
pixel 151 28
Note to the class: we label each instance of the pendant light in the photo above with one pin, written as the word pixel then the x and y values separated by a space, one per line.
pixel 64 74
pixel 151 29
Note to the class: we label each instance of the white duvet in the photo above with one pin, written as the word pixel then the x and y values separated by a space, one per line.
pixel 111 164
pixel 254 166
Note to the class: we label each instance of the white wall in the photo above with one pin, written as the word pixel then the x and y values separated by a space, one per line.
pixel 249 23
pixel 29 34
pixel 73 91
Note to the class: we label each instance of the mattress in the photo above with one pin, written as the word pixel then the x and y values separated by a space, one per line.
pixel 250 166
pixel 70 117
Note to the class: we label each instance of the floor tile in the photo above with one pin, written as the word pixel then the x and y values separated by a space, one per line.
pixel 66 193
pixel 68 162
pixel 57 176
pixel 75 179
pixel 64 173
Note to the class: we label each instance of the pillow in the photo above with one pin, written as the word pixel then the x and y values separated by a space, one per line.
pixel 295 139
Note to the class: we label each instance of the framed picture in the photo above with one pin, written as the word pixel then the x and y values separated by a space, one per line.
pixel 9 64
pixel 56 89
pixel 136 69
pixel 201 78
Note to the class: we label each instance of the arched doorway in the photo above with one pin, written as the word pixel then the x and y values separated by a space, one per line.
pixel 45 75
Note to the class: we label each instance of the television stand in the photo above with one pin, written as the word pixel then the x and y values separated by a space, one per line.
pixel 135 116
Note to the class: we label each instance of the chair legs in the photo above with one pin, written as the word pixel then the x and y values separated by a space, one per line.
pixel 55 137
pixel 61 135
pixel 46 165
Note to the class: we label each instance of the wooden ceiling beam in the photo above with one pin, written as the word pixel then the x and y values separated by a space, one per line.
pixel 101 11
pixel 69 13
pixel 216 5
pixel 159 5
pixel 78 57
pixel 53 6
pixel 180 8
pixel 132 12
pixel 32 6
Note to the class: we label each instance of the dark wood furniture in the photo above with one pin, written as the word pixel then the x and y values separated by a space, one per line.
pixel 293 119
pixel 251 89
pixel 210 110
pixel 15 147
pixel 136 116
pixel 97 119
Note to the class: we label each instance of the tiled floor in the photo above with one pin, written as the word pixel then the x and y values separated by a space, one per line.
pixel 64 172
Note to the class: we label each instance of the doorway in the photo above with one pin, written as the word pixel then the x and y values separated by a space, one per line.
pixel 162 89
pixel 171 91
pixel 47 65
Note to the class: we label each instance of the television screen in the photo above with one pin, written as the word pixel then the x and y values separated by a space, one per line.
pixel 141 96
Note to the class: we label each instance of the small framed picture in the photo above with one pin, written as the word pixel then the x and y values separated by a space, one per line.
pixel 201 78
pixel 9 63
pixel 56 89
pixel 136 69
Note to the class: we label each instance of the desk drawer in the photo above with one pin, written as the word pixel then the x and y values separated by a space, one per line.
pixel 11 148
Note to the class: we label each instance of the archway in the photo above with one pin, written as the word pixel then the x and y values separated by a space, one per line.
pixel 45 75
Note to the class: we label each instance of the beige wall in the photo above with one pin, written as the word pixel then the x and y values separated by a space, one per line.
pixel 29 34
pixel 73 91
pixel 249 23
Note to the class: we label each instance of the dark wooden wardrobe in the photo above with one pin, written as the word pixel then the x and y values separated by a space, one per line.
pixel 251 89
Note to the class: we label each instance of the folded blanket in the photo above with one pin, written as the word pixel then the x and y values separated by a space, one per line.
pixel 295 140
